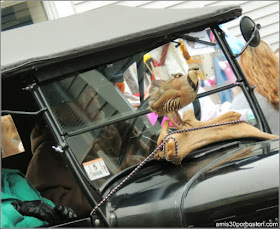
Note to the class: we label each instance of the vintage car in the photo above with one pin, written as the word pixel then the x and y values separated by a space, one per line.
pixel 67 71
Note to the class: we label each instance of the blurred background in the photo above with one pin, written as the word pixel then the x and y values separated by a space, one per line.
pixel 15 14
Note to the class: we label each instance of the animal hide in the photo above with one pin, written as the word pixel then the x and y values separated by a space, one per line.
pixel 190 141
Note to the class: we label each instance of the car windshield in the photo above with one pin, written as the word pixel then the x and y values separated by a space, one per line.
pixel 103 111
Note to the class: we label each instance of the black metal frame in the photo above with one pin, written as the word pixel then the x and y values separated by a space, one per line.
pixel 68 155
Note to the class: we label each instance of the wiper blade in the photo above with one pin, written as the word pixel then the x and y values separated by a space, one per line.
pixel 24 112
pixel 195 39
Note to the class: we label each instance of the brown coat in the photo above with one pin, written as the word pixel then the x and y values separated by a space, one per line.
pixel 48 173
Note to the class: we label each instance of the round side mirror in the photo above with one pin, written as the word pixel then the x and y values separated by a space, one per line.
pixel 248 27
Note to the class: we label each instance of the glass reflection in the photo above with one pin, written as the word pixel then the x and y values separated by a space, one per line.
pixel 91 100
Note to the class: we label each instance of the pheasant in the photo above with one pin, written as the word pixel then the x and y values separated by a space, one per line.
pixel 169 96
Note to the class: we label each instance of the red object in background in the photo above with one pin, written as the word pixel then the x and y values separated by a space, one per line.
pixel 120 86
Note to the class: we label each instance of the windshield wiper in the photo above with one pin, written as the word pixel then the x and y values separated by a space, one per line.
pixel 24 112
pixel 195 39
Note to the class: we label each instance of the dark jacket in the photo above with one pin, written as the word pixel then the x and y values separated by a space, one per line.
pixel 51 177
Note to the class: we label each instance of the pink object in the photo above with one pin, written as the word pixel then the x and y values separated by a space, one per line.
pixel 228 71
pixel 212 38
pixel 164 119
pixel 153 119
pixel 211 81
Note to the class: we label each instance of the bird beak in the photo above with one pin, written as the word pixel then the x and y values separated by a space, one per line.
pixel 199 73
pixel 200 76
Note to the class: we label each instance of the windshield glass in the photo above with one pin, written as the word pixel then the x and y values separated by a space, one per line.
pixel 104 111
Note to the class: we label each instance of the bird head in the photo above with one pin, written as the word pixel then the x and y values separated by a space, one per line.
pixel 194 73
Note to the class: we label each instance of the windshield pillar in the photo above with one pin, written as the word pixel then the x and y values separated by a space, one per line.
pixel 66 151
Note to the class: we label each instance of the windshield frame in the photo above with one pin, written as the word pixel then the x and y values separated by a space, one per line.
pixel 60 136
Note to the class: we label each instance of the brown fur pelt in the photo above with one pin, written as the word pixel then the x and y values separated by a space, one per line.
pixel 190 141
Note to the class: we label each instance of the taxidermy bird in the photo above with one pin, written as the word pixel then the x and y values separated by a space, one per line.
pixel 168 97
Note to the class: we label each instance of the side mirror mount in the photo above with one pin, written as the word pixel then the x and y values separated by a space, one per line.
pixel 250 33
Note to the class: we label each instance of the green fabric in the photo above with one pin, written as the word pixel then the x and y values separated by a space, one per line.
pixel 16 187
